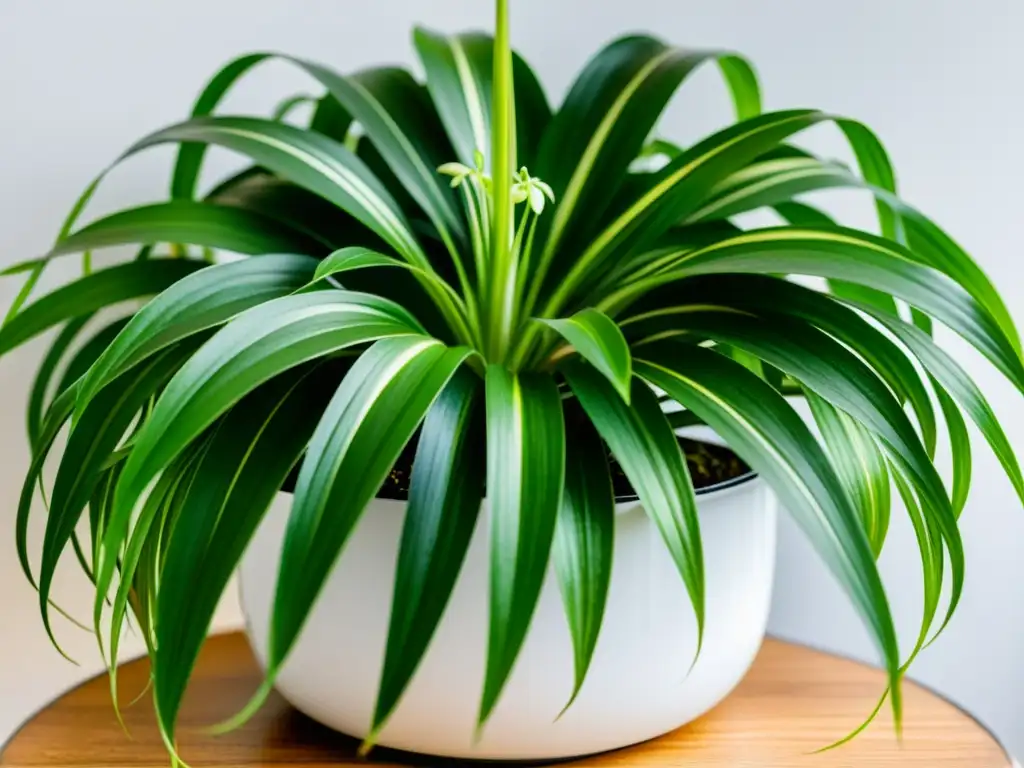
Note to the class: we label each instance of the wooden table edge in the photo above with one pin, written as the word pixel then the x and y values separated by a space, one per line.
pixel 1010 759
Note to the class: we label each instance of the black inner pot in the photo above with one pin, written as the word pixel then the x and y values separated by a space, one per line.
pixel 711 466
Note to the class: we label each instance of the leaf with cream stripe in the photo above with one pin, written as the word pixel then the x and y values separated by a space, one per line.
pixel 364 428
pixel 764 429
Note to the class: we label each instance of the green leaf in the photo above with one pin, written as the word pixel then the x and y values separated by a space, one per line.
pixel 948 373
pixel 249 456
pixel 317 219
pixel 308 159
pixel 56 416
pixel 960 447
pixel 138 557
pixel 94 292
pixel 89 353
pixel 847 254
pixel 444 501
pixel 769 435
pixel 284 108
pixel 199 301
pixel 763 295
pixel 584 539
pixel 775 182
pixel 190 156
pixel 525 470
pixel 369 420
pixel 606 118
pixel 459 69
pixel 44 374
pixel 253 348
pixel 600 342
pixel 204 224
pixel 358 257
pixel 837 375
pixel 678 189
pixel 396 116
pixel 803 215
pixel 91 441
pixel 859 465
pixel 648 451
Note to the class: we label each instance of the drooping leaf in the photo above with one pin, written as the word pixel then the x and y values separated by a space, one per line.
pixel 45 372
pixel 764 295
pixel 952 377
pixel 94 292
pixel 248 458
pixel 646 448
pixel 859 465
pixel 605 119
pixel 195 303
pixel 250 350
pixel 584 540
pixel 203 224
pixel 599 341
pixel 308 159
pixel 525 468
pixel 445 495
pixel 369 420
pixel 848 255
pixel 769 435
pixel 91 441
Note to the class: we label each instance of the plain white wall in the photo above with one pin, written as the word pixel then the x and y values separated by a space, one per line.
pixel 939 79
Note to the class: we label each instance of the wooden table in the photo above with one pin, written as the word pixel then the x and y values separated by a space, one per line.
pixel 794 701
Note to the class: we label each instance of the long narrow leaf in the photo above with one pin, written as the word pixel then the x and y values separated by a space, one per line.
pixel 646 448
pixel 195 303
pixel 244 466
pixel 771 438
pixel 584 540
pixel 849 255
pixel 444 501
pixel 525 467
pixel 599 341
pixel 250 350
pixel 369 420
pixel 94 292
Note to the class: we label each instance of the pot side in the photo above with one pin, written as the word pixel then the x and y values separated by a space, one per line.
pixel 639 686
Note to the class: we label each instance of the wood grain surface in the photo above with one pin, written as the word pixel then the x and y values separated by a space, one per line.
pixel 794 701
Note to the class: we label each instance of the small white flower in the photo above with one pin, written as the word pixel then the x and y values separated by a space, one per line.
pixel 458 171
pixel 527 187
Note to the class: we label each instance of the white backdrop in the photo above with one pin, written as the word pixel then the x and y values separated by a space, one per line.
pixel 939 79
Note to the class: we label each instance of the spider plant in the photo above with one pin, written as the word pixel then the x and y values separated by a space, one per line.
pixel 456 263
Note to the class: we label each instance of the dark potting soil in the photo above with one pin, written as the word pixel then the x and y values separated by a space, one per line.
pixel 708 464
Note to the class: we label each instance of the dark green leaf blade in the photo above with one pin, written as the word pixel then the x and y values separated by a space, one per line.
pixel 193 223
pixel 444 501
pixel 308 159
pixel 959 385
pixel 762 428
pixel 646 447
pixel 195 303
pixel 44 375
pixel 859 465
pixel 600 342
pixel 584 540
pixel 249 456
pixel 525 469
pixel 369 420
pixel 250 350
pixel 94 292
pixel 848 254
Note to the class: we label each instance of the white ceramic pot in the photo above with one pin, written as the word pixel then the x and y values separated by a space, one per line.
pixel 637 687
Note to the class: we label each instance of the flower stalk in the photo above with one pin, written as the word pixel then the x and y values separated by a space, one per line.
pixel 501 278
